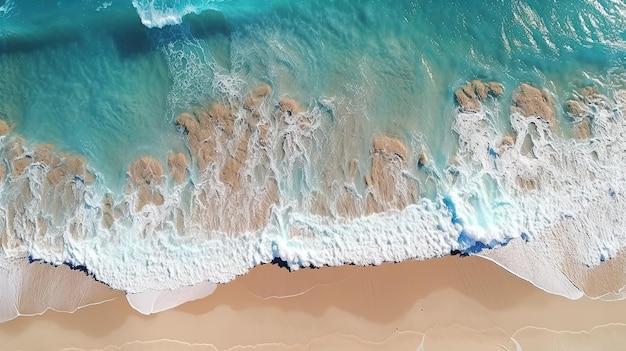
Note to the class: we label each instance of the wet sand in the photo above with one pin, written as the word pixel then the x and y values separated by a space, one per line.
pixel 441 304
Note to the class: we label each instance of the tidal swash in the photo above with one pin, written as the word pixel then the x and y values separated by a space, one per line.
pixel 165 144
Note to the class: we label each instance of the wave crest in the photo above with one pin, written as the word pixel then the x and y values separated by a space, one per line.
pixel 161 13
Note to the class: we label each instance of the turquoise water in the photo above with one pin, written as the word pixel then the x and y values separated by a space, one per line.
pixel 401 61
pixel 107 80
pixel 89 77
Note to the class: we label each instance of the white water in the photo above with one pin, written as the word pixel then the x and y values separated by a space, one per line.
pixel 161 13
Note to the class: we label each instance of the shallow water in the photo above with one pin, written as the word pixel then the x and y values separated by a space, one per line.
pixel 108 80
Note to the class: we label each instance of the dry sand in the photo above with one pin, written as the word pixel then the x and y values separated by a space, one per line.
pixel 442 304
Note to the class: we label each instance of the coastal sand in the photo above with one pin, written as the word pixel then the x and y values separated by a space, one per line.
pixel 451 303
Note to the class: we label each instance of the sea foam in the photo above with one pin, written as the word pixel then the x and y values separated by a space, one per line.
pixel 492 193
pixel 161 13
pixel 6 8
pixel 564 194
pixel 149 302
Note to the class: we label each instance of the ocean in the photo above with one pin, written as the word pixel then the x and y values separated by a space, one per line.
pixel 162 144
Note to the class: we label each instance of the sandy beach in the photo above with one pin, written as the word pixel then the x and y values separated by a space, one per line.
pixel 452 303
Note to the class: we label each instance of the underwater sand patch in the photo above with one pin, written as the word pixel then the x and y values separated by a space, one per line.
pixel 223 151
pixel 42 206
pixel 471 94
pixel 388 187
pixel 289 105
pixel 530 101
pixel 582 128
pixel 178 167
pixel 221 115
pixel 146 170
pixel 507 141
pixel 44 153
pixel 581 106
pixel 108 216
pixel 258 95
pixel 144 174
pixel 4 128
pixel 230 173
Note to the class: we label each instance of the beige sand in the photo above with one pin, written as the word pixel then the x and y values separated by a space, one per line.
pixel 446 304
pixel 606 337
pixel 33 288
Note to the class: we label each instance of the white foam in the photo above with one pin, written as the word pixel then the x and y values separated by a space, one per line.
pixel 105 5
pixel 534 263
pixel 161 13
pixel 167 263
pixel 191 66
pixel 575 216
pixel 7 8
pixel 155 14
pixel 152 301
